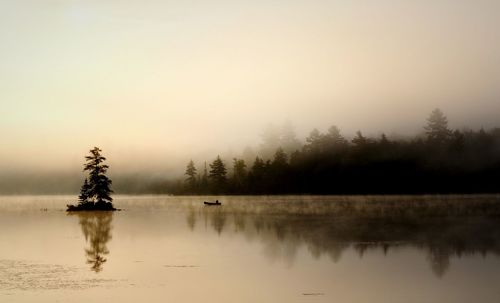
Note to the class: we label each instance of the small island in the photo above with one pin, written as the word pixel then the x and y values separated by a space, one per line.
pixel 95 193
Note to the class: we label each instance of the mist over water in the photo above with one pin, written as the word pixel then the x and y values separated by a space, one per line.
pixel 305 122
pixel 345 248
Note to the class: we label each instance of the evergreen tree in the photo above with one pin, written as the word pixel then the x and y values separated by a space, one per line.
pixel 191 174
pixel 204 179
pixel 360 140
pixel 278 172
pixel 334 138
pixel 314 137
pixel 99 184
pixel 437 127
pixel 295 158
pixel 218 174
pixel 84 194
pixel 314 141
pixel 258 168
pixel 280 158
pixel 256 176
pixel 95 193
pixel 239 174
pixel 239 169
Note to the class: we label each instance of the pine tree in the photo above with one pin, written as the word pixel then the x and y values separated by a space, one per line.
pixel 334 140
pixel 258 168
pixel 204 179
pixel 239 173
pixel 99 184
pixel 84 194
pixel 257 176
pixel 95 193
pixel 314 141
pixel 314 137
pixel 360 140
pixel 437 127
pixel 218 174
pixel 280 158
pixel 191 174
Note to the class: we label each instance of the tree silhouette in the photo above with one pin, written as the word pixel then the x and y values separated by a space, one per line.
pixel 446 161
pixel 359 141
pixel 280 158
pixel 218 174
pixel 334 140
pixel 437 127
pixel 204 179
pixel 100 191
pixel 278 172
pixel 384 141
pixel 257 176
pixel 191 175
pixel 314 139
pixel 95 193
pixel 83 198
pixel 239 174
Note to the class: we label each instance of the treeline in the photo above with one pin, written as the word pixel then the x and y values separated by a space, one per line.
pixel 441 161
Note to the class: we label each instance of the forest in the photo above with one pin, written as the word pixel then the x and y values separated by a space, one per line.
pixel 440 161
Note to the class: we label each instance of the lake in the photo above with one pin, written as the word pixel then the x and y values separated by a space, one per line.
pixel 252 249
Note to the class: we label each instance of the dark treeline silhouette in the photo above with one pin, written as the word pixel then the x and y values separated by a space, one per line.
pixel 440 161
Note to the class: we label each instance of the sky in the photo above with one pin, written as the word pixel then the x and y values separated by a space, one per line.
pixel 157 82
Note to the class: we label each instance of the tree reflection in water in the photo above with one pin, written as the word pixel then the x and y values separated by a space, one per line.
pixel 96 228
pixel 440 238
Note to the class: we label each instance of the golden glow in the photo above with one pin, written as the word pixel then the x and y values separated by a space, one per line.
pixel 177 76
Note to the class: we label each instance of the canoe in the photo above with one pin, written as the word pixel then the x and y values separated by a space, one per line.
pixel 211 203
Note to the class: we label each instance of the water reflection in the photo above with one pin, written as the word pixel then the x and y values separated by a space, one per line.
pixel 439 239
pixel 218 220
pixel 96 228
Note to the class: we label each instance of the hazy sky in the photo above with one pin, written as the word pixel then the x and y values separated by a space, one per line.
pixel 170 78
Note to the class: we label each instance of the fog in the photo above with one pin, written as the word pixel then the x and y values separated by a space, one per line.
pixel 156 83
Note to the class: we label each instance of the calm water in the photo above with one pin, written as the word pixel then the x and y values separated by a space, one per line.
pixel 251 249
